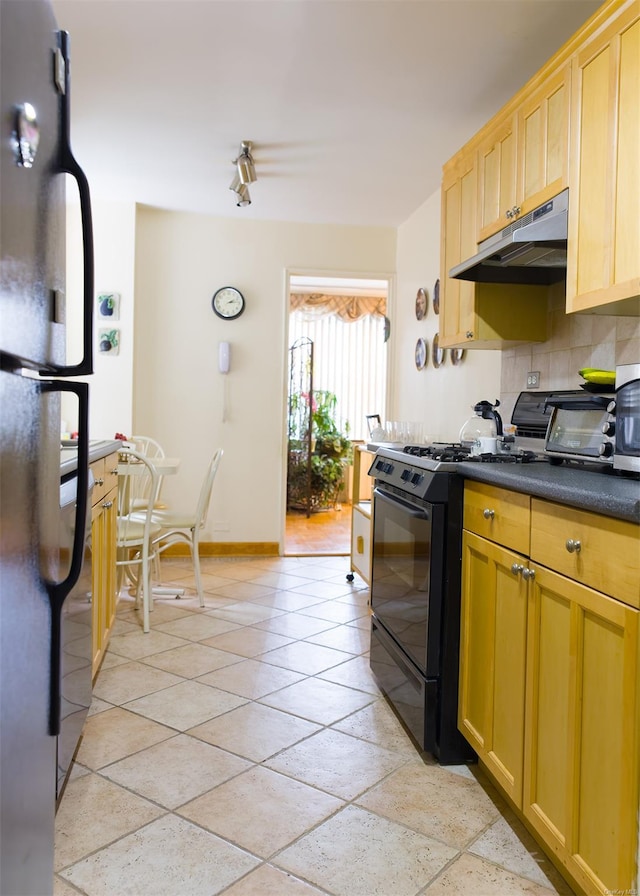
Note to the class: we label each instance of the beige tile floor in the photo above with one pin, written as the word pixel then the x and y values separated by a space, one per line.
pixel 245 749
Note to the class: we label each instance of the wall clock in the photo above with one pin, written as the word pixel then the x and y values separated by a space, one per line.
pixel 228 302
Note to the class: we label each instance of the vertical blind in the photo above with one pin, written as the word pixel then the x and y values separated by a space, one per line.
pixel 350 360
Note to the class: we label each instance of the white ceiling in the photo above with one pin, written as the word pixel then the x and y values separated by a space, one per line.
pixel 352 105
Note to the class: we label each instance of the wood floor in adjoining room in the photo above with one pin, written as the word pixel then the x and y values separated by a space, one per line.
pixel 324 532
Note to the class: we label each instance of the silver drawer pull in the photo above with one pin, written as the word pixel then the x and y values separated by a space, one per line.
pixel 574 547
pixel 488 514
pixel 107 505
pixel 99 481
pixel 528 573
pixel 517 568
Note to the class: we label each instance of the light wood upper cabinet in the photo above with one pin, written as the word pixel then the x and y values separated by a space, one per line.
pixel 543 141
pixel 459 204
pixel 523 159
pixel 603 265
pixel 497 178
pixel 486 315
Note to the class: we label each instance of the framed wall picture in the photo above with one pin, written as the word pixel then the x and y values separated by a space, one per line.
pixel 108 341
pixel 108 306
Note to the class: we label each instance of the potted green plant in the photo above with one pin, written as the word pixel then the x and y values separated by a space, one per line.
pixel 314 481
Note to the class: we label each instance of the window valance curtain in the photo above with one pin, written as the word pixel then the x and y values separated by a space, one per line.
pixel 347 308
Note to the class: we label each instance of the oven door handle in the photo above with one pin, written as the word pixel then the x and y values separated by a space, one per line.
pixel 413 512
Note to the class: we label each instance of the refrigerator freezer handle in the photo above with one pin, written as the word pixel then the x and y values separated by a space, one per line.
pixel 58 591
pixel 68 165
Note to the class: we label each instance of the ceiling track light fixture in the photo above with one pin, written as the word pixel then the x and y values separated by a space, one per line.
pixel 244 163
pixel 242 194
pixel 244 174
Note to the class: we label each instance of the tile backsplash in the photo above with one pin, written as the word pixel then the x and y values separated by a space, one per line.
pixel 575 341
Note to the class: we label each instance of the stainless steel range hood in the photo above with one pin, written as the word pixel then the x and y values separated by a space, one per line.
pixel 532 249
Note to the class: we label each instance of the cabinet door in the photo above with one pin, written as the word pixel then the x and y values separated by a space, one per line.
pixel 361 541
pixel 492 658
pixel 104 579
pixel 543 142
pixel 603 264
pixel 457 299
pixel 582 742
pixel 497 178
pixel 97 578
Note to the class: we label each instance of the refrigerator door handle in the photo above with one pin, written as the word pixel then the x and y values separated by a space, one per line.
pixel 58 591
pixel 68 165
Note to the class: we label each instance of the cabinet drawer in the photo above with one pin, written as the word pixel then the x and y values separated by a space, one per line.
pixel 100 484
pixel 598 551
pixel 110 471
pixel 498 514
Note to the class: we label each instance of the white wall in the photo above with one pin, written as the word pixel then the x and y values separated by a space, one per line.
pixel 179 396
pixel 110 396
pixel 439 398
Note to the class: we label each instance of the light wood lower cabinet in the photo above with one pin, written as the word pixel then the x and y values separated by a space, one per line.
pixel 582 744
pixel 361 514
pixel 550 676
pixel 103 546
pixel 493 647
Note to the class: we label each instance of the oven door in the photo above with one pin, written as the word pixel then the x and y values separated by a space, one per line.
pixel 407 575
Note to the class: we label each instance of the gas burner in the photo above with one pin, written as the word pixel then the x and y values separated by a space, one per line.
pixel 454 452
pixel 442 451
pixel 518 457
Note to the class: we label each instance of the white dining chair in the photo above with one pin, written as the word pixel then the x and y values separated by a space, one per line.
pixel 184 527
pixel 151 449
pixel 136 530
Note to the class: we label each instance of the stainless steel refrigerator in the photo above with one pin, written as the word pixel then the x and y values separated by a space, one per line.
pixel 37 570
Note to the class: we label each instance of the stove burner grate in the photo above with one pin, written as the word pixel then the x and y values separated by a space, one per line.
pixel 457 453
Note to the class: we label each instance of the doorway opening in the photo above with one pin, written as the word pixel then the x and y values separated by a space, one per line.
pixel 344 320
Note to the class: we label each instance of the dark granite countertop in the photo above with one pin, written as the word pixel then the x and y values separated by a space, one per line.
pixel 601 491
pixel 97 450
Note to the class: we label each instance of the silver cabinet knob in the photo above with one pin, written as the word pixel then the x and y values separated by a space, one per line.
pixel 574 547
pixel 528 573
pixel 107 505
pixel 516 211
pixel 99 481
pixel 509 213
pixel 488 514
pixel 469 334
pixel 517 568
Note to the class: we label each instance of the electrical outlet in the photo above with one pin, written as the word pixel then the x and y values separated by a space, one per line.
pixel 533 379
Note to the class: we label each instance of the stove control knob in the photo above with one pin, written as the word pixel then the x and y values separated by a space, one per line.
pixel 387 468
pixel 417 478
pixel 405 475
pixel 606 449
pixel 611 407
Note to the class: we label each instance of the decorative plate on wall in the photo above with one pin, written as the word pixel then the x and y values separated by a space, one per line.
pixel 457 354
pixel 436 297
pixel 422 304
pixel 437 353
pixel 422 351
